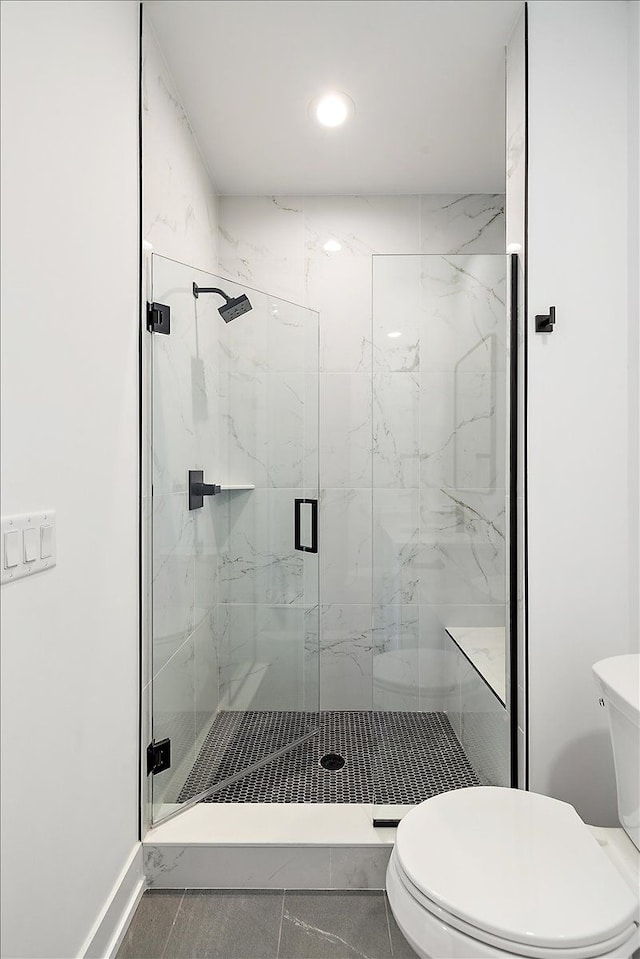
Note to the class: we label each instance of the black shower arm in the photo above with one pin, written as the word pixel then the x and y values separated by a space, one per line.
pixel 208 289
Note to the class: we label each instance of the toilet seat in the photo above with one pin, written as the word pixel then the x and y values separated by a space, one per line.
pixel 515 870
pixel 477 942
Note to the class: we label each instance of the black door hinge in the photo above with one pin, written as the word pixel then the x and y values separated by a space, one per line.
pixel 158 318
pixel 158 756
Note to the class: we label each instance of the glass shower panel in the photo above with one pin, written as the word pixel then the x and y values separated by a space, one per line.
pixel 235 603
pixel 439 525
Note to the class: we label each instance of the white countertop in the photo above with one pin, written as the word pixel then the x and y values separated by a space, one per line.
pixel 484 647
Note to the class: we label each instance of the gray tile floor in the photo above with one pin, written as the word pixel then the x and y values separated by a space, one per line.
pixel 270 924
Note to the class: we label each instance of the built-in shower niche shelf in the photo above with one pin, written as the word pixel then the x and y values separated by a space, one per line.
pixel 235 487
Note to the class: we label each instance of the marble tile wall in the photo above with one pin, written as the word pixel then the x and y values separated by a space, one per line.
pixel 439 497
pixel 180 578
pixel 410 484
pixel 268 590
pixel 179 200
pixel 184 544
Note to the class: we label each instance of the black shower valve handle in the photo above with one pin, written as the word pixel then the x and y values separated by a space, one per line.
pixel 198 489
pixel 206 489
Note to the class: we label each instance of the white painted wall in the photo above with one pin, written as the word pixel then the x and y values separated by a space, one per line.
pixel 581 382
pixel 69 441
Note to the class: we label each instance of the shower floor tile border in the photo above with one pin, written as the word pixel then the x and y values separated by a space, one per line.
pixel 390 757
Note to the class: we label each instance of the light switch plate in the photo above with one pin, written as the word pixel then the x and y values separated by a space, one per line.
pixel 28 526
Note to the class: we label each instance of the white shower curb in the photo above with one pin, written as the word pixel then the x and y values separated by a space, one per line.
pixel 270 846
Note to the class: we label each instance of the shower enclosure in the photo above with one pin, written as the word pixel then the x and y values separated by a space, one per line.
pixel 240 626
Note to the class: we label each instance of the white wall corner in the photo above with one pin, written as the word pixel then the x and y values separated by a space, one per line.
pixel 111 925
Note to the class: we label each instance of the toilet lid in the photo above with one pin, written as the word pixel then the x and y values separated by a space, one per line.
pixel 515 864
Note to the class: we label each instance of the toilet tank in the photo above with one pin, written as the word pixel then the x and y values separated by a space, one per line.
pixel 618 679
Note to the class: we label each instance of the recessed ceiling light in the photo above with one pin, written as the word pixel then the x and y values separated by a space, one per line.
pixel 332 109
pixel 393 335
pixel 332 246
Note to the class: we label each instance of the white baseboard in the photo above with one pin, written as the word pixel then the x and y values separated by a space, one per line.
pixel 109 930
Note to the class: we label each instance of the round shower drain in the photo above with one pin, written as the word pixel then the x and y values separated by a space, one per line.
pixel 332 761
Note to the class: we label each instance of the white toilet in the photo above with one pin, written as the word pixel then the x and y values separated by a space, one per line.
pixel 489 871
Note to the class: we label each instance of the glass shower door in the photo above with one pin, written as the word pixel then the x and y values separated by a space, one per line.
pixel 234 532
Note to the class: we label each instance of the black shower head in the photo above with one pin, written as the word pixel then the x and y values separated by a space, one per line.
pixel 233 306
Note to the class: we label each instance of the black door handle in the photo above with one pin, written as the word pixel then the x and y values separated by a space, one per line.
pixel 199 489
pixel 297 507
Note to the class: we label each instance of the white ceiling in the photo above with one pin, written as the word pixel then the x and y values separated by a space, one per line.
pixel 426 77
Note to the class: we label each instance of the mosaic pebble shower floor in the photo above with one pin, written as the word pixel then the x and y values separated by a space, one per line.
pixel 390 757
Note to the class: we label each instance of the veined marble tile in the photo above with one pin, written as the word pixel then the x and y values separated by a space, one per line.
pixel 346 657
pixel 311 431
pixel 169 156
pixel 396 546
pixel 345 546
pixel 179 203
pixel 435 619
pixel 237 867
pixel 264 418
pixel 361 224
pixel 485 729
pixel 310 561
pixel 397 296
pixel 345 429
pixel 178 399
pixel 206 691
pixel 339 288
pixel 452 675
pixel 260 564
pixel 204 225
pixel 173 575
pixel 277 277
pixel 359 868
pixel 186 431
pixel 462 555
pixel 174 697
pixel 260 227
pixel 462 430
pixel 463 314
pixel 264 668
pixel 396 430
pixel 459 223
pixel 311 658
pixel 395 657
pixel 516 135
pixel 210 531
pixel 275 336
